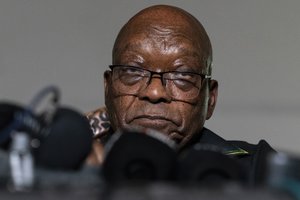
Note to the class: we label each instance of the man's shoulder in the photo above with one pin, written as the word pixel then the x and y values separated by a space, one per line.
pixel 260 147
pixel 252 157
pixel 232 146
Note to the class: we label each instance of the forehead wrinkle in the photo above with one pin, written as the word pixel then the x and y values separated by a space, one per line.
pixel 134 48
pixel 167 37
pixel 170 38
pixel 162 30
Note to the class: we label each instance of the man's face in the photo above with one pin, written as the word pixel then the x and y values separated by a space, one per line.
pixel 160 49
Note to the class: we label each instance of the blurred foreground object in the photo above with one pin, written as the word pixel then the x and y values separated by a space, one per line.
pixel 283 173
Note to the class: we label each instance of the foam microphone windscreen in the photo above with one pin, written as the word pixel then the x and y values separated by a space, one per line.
pixel 68 143
pixel 206 164
pixel 134 155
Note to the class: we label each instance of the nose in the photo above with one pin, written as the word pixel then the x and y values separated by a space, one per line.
pixel 155 92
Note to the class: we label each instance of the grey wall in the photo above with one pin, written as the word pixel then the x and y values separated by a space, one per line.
pixel 256 58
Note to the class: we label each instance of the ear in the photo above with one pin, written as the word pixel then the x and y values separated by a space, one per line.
pixel 213 95
pixel 107 82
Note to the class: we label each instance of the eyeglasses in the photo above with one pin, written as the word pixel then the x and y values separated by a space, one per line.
pixel 132 80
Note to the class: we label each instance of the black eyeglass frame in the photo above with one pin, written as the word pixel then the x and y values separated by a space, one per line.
pixel 203 76
pixel 163 80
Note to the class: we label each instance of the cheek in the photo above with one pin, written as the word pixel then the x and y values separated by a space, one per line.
pixel 117 108
pixel 193 117
pixel 190 114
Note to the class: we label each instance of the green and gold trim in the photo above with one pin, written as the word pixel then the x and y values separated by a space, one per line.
pixel 236 152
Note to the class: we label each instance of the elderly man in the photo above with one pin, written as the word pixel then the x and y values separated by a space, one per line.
pixel 160 78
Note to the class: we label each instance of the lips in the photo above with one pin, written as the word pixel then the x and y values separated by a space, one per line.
pixel 152 117
pixel 151 122
pixel 155 120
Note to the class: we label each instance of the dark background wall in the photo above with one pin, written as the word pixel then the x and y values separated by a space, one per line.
pixel 256 58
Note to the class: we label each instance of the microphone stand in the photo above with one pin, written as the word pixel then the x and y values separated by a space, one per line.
pixel 21 163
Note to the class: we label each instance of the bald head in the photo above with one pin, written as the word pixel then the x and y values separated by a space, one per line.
pixel 168 21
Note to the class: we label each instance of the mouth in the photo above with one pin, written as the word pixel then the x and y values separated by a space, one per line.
pixel 159 123
pixel 155 117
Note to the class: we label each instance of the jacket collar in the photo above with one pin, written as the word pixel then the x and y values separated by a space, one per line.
pixel 209 138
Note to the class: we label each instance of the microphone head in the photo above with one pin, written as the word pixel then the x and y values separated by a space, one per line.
pixel 68 143
pixel 132 155
pixel 206 164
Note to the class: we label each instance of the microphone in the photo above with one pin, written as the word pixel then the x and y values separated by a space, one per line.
pixel 42 133
pixel 16 118
pixel 138 155
pixel 61 137
pixel 68 143
pixel 206 164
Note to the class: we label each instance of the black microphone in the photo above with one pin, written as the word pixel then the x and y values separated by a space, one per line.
pixel 68 143
pixel 138 155
pixel 61 137
pixel 18 118
pixel 206 164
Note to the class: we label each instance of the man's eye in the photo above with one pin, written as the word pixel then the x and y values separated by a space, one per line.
pixel 183 84
pixel 130 76
pixel 130 71
pixel 184 80
pixel 185 76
